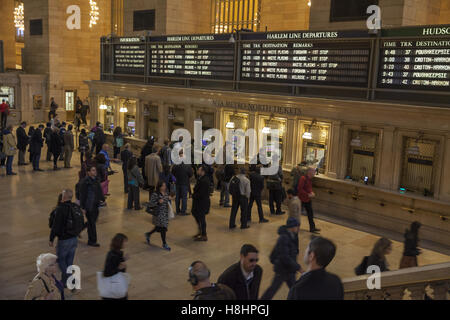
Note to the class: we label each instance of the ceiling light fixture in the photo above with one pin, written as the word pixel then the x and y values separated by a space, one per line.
pixel 19 21
pixel 94 13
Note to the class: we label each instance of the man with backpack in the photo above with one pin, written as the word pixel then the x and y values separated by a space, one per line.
pixel 284 258
pixel 240 193
pixel 66 223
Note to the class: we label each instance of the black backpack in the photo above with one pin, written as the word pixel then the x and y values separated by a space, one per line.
pixel 75 221
pixel 235 189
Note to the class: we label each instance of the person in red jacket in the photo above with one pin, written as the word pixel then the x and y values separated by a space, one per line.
pixel 4 110
pixel 305 194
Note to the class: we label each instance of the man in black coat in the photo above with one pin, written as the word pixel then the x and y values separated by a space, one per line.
pixel 36 144
pixel 201 203
pixel 99 139
pixel 22 142
pixel 228 173
pixel 257 186
pixel 182 173
pixel 47 135
pixel 55 146
pixel 316 283
pixel 244 277
pixel 146 150
pixel 90 197
pixel 284 258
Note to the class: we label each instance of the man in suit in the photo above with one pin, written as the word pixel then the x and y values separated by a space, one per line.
pixel 316 283
pixel 47 135
pixel 201 203
pixel 244 277
pixel 36 144
pixel 256 186
pixel 22 142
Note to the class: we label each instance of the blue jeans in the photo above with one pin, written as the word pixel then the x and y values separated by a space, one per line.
pixel 224 194
pixel 182 192
pixel 36 159
pixel 65 250
pixel 9 162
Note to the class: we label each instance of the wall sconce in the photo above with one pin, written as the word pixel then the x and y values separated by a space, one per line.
pixel 308 135
pixel 266 130
pixel 230 125
pixel 103 107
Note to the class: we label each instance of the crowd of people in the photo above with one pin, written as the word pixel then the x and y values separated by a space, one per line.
pixel 169 186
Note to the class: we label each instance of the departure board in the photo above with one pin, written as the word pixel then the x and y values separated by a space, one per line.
pixel 129 56
pixel 327 58
pixel 192 56
pixel 421 61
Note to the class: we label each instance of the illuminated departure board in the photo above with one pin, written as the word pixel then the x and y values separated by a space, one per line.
pixel 422 62
pixel 328 58
pixel 129 56
pixel 192 56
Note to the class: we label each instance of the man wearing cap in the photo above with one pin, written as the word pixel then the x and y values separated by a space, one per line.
pixel 284 258
pixel 199 275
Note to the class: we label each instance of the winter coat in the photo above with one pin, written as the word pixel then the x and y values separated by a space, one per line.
pixel 153 168
pixel 215 292
pixel 85 185
pixel 410 245
pixel 68 140
pixel 36 142
pixel 56 143
pixel 22 138
pixel 274 181
pixel 113 260
pixel 201 201
pixel 125 155
pixel 9 144
pixel 41 286
pixel 47 135
pixel 166 155
pixel 99 137
pixel 284 255
pixel 135 177
pixel 256 183
pixel 183 173
pixel 162 219
pixel 228 172
pixel 234 278
pixel 377 261
pixel 304 188
pixel 83 143
pixel 317 285
pixel 146 151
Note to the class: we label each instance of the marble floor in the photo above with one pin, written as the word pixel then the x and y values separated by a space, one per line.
pixel 27 199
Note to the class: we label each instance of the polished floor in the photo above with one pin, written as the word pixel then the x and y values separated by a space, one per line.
pixel 27 199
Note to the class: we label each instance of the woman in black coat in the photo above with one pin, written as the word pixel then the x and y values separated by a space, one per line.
pixel 411 250
pixel 55 147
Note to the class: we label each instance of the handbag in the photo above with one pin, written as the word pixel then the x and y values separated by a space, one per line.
pixel 105 185
pixel 170 210
pixel 119 142
pixel 152 210
pixel 114 287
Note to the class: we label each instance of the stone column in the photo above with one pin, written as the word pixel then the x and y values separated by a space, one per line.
pixel 384 177
pixel 140 119
pixel 444 194
pixel 93 112
pixel 334 146
pixel 163 121
pixel 189 117
pixel 117 114
pixel 289 150
pixel 252 124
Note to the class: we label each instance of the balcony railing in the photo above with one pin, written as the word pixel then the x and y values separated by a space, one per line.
pixel 419 283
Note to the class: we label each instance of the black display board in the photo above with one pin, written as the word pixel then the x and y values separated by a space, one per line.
pixel 192 56
pixel 129 56
pixel 415 58
pixel 320 58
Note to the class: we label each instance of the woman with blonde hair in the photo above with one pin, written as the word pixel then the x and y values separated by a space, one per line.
pixel 44 286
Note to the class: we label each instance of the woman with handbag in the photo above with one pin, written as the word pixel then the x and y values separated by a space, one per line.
pixel 159 208
pixel 118 141
pixel 115 268
pixel 135 180
pixel 101 173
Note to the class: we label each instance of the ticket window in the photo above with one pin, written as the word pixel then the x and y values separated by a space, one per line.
pixel 151 121
pixel 363 156
pixel 7 94
pixel 269 124
pixel 419 158
pixel 176 121
pixel 127 120
pixel 315 145
pixel 106 114
pixel 236 121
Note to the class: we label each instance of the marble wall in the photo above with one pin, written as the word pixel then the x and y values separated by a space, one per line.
pixel 285 15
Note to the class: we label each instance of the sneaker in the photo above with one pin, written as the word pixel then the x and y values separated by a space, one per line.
pixel 263 221
pixel 166 247
pixel 147 237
